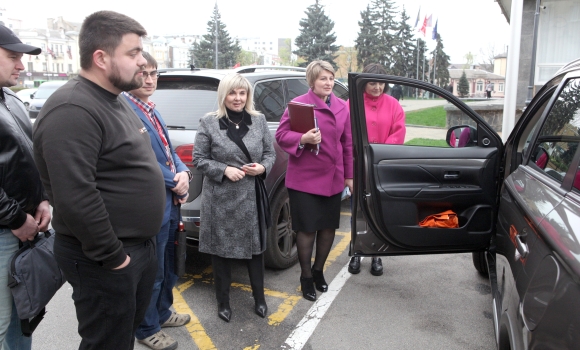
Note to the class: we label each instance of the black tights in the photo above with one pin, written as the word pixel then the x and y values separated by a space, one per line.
pixel 305 244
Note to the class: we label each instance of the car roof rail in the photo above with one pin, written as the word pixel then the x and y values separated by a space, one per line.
pixel 191 68
pixel 252 69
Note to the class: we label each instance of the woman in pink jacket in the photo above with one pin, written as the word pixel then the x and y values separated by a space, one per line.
pixel 315 181
pixel 385 121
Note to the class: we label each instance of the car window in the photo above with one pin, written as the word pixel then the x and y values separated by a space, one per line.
pixel 269 99
pixel 340 91
pixel 559 136
pixel 182 103
pixel 45 92
pixel 296 87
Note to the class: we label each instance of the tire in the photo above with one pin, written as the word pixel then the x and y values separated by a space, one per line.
pixel 480 263
pixel 281 252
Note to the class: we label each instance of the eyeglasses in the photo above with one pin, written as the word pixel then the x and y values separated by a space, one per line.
pixel 153 74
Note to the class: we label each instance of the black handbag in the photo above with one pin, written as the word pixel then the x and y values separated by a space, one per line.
pixel 34 279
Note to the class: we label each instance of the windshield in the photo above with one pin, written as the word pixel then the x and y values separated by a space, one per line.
pixel 45 92
pixel 183 103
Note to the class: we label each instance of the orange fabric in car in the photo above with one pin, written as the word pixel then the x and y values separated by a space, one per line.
pixel 446 219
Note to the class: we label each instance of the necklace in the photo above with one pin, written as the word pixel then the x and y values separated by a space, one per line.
pixel 238 123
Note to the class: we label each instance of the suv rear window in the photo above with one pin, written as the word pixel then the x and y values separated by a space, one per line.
pixel 183 102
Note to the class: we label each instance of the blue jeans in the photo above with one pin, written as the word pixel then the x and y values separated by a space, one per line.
pixel 162 298
pixel 11 337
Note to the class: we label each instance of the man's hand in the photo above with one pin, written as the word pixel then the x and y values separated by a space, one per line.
pixel 177 201
pixel 182 183
pixel 125 263
pixel 42 216
pixel 28 230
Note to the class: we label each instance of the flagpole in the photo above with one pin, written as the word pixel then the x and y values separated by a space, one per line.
pixel 417 76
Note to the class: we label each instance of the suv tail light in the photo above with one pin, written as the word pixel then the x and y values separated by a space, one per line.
pixel 185 153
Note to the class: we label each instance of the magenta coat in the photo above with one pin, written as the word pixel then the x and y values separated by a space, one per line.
pixel 385 119
pixel 321 174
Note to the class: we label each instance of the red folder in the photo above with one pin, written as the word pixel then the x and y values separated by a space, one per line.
pixel 302 120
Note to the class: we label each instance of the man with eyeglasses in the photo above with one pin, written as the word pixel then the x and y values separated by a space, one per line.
pixel 177 178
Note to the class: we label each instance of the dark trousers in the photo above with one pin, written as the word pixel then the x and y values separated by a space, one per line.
pixel 222 275
pixel 110 304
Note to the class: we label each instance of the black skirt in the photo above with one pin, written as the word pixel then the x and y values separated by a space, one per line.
pixel 311 212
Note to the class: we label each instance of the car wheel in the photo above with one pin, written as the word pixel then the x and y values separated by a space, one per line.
pixel 480 263
pixel 281 250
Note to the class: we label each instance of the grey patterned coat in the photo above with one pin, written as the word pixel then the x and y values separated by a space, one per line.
pixel 229 225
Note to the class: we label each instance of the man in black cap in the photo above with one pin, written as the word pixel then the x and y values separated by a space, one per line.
pixel 24 209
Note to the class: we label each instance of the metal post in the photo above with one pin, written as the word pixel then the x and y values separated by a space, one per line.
pixel 417 76
pixel 534 48
pixel 216 38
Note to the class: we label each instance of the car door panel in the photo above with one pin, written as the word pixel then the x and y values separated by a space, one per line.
pixel 402 185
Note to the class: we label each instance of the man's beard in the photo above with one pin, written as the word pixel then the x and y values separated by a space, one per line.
pixel 117 81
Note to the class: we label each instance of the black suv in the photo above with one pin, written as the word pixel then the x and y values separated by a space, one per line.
pixel 184 96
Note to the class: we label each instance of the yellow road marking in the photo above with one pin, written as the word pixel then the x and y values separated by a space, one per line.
pixel 194 327
pixel 345 213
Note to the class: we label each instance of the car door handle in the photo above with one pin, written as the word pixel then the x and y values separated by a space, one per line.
pixel 451 175
pixel 522 247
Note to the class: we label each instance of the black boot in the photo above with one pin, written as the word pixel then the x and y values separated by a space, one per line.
pixel 261 308
pixel 319 281
pixel 224 311
pixel 354 265
pixel 377 267
pixel 307 285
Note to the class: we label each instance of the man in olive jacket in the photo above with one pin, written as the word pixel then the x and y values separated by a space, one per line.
pixel 24 209
pixel 101 175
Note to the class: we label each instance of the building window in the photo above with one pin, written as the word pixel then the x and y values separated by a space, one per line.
pixel 70 68
pixel 500 87
pixel 44 67
pixel 30 65
pixel 479 86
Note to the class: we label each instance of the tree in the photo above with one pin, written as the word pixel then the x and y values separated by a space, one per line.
pixel 285 53
pixel 346 61
pixel 404 63
pixel 316 39
pixel 488 57
pixel 463 86
pixel 383 18
pixel 246 58
pixel 228 49
pixel 420 60
pixel 468 60
pixel 367 39
pixel 441 64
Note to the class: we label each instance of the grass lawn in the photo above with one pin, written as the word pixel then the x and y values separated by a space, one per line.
pixel 427 142
pixel 434 116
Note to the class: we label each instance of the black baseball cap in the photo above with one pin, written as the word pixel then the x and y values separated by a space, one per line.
pixel 10 41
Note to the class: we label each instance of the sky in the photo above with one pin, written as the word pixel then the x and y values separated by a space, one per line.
pixel 461 31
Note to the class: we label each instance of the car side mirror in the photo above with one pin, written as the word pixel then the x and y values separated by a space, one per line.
pixel 461 136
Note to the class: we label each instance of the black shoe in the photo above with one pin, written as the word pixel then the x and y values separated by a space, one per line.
pixel 377 267
pixel 261 308
pixel 354 265
pixel 307 285
pixel 224 311
pixel 319 281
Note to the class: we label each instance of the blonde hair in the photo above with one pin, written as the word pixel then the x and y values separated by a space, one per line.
pixel 315 68
pixel 227 84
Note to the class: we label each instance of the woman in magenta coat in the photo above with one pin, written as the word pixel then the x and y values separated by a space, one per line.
pixel 315 181
pixel 385 121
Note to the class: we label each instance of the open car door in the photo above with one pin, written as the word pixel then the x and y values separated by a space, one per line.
pixel 396 186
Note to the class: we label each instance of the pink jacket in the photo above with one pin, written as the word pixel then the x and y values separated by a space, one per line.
pixel 321 174
pixel 385 119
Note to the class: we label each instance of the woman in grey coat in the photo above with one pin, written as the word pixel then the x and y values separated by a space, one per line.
pixel 233 147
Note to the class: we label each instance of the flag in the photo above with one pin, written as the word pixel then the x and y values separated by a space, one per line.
pixel 429 23
pixel 68 51
pixel 50 52
pixel 237 65
pixel 417 20
pixel 434 34
pixel 424 27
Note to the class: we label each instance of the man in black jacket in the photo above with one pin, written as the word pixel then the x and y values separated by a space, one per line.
pixel 103 181
pixel 24 209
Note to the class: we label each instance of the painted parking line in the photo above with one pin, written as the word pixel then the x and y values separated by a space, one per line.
pixel 308 324
pixel 289 301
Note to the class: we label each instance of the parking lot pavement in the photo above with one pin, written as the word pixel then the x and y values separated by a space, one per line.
pixel 431 302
